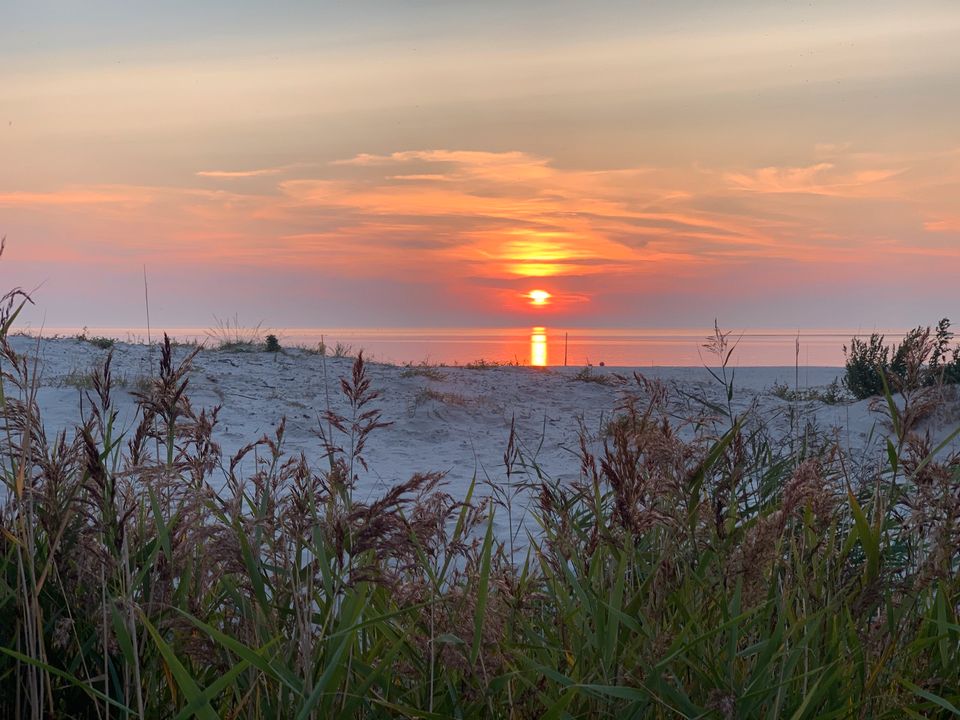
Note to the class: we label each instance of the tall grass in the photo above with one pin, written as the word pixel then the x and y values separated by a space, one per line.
pixel 725 576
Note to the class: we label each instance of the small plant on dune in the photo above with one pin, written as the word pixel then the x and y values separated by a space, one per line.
pixel 587 374
pixel 228 334
pixel 423 369
pixel 833 394
pixel 76 378
pixel 722 348
pixel 272 344
pixel 99 341
pixel 342 350
pixel 338 350
pixel 138 384
pixel 318 349
pixel 483 364
pixel 426 395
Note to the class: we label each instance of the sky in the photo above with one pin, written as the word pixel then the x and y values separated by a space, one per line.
pixel 428 164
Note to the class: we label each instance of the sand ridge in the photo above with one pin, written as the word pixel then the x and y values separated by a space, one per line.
pixel 451 419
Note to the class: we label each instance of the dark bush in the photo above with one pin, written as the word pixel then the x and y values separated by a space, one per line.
pixel 865 363
pixel 944 369
pixel 921 359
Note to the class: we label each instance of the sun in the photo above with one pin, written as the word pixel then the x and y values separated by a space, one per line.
pixel 539 297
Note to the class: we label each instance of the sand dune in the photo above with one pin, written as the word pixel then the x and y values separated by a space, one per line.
pixel 452 419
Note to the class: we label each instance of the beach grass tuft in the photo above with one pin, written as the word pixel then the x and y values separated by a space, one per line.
pixel 588 375
pixel 423 369
pixel 228 334
pixel 98 341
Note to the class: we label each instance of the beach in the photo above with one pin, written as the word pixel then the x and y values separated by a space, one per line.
pixel 457 419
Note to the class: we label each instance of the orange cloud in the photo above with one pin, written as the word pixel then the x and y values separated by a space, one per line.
pixel 942 226
pixel 70 196
pixel 514 214
pixel 823 178
pixel 240 174
pixel 504 218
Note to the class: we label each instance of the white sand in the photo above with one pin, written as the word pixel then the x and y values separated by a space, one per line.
pixel 459 424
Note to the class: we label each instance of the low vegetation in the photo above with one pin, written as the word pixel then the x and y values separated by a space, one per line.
pixel 833 394
pixel 427 395
pixel 230 335
pixel 587 374
pixel 423 369
pixel 338 350
pixel 99 341
pixel 719 576
pixel 483 364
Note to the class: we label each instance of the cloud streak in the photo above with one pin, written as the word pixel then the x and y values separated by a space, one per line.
pixel 823 178
pixel 242 174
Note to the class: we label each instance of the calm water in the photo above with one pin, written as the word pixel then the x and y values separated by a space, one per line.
pixel 547 345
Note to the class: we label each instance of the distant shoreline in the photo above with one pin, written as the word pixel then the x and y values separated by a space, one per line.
pixel 622 348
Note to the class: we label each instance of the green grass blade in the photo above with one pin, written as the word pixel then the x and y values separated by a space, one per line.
pixel 935 699
pixel 483 589
pixel 71 679
pixel 186 683
pixel 213 690
pixel 256 658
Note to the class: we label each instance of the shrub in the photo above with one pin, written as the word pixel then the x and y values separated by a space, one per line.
pixel 948 371
pixel 865 361
pixel 272 343
pixel 951 371
pixel 919 360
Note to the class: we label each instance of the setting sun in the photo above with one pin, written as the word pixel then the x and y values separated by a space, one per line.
pixel 539 297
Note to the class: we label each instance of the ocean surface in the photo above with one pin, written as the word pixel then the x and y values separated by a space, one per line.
pixel 534 345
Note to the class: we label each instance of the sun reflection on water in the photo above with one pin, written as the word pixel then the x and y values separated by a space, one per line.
pixel 538 347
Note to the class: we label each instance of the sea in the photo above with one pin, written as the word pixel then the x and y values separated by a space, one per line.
pixel 533 346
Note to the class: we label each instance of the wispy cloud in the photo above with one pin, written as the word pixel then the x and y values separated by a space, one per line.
pixel 240 174
pixel 823 178
pixel 947 225
pixel 71 196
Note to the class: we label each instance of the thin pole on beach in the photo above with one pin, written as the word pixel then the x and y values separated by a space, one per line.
pixel 566 338
pixel 146 302
pixel 796 365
